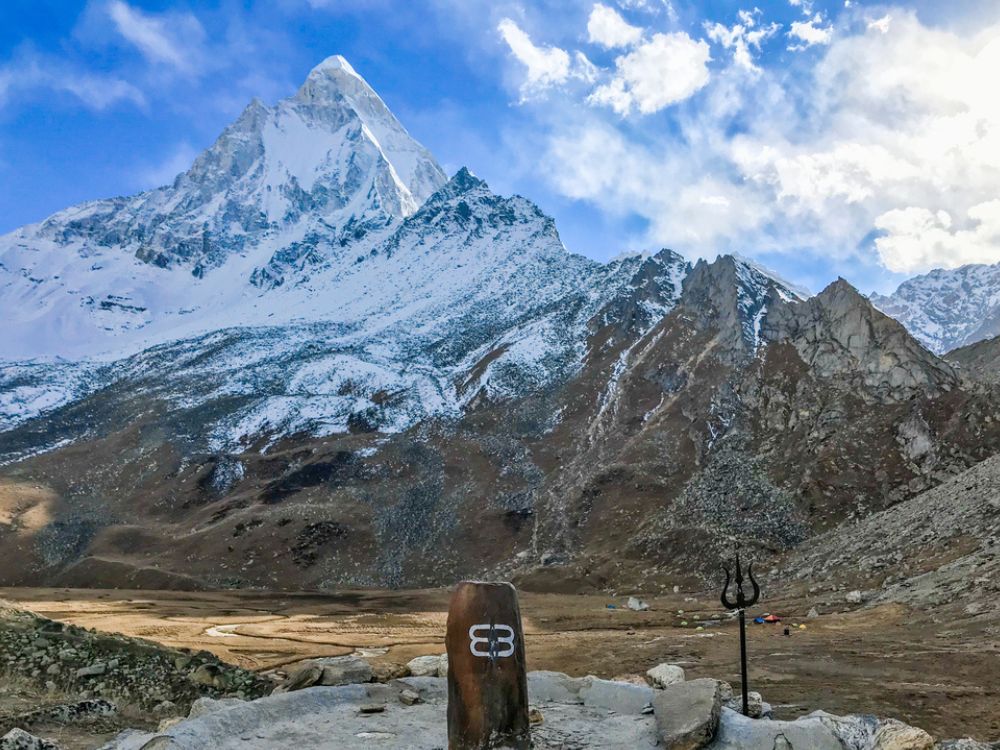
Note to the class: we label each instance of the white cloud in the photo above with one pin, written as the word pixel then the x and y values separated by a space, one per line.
pixel 172 40
pixel 893 136
pixel 663 71
pixel 880 24
pixel 810 32
pixel 608 29
pixel 650 6
pixel 29 71
pixel 545 66
pixel 744 38
pixel 916 238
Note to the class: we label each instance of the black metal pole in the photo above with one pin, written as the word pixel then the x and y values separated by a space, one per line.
pixel 743 662
pixel 740 606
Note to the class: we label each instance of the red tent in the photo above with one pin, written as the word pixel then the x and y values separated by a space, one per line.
pixel 772 618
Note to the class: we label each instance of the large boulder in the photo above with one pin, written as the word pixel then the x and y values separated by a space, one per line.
pixel 665 674
pixel 687 713
pixel 344 670
pixel 895 735
pixel 739 732
pixel 306 675
pixel 427 666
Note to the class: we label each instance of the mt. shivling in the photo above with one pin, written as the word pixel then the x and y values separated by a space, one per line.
pixel 315 361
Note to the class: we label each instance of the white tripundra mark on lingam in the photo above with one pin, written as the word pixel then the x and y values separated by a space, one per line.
pixel 492 641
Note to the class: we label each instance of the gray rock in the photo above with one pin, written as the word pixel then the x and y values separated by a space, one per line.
pixel 620 697
pixel 93 670
pixel 554 687
pixel 425 666
pixel 430 689
pixel 838 332
pixel 68 713
pixel 663 675
pixel 687 713
pixel 409 697
pixel 738 732
pixel 204 706
pixel 854 597
pixel 18 739
pixel 307 675
pixel 344 670
pixel 755 703
pixel 329 718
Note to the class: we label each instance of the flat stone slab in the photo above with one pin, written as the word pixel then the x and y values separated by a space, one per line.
pixel 328 718
pixel 620 697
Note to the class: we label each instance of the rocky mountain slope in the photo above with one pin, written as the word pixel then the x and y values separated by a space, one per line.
pixel 947 309
pixel 936 549
pixel 348 370
pixel 979 361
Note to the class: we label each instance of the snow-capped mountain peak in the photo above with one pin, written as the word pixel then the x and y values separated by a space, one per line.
pixel 285 189
pixel 334 86
pixel 947 308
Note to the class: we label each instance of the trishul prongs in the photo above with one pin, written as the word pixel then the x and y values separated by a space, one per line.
pixel 741 600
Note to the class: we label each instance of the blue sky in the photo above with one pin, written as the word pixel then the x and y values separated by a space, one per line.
pixel 823 138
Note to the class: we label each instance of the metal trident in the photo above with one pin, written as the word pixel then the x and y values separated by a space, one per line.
pixel 741 600
pixel 741 604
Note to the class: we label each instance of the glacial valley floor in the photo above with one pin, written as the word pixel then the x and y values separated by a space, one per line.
pixel 938 670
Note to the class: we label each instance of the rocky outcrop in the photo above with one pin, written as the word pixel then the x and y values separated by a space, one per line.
pixel 663 675
pixel 732 299
pixel 980 361
pixel 839 334
pixel 566 711
pixel 18 739
pixel 927 551
pixel 99 667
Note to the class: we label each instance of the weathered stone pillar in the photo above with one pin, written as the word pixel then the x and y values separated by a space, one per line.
pixel 487 679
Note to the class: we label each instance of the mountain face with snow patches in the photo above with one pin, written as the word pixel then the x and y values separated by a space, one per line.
pixel 314 360
pixel 947 309
pixel 284 190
